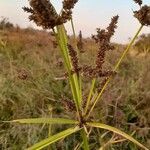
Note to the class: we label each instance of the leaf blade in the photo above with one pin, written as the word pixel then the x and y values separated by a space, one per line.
pixel 45 121
pixel 117 131
pixel 44 143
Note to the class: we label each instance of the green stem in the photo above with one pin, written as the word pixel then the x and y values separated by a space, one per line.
pixel 73 29
pixel 78 76
pixel 85 140
pixel 62 41
pixel 90 95
pixel 115 68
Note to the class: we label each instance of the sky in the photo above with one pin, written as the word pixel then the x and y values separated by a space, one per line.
pixel 88 15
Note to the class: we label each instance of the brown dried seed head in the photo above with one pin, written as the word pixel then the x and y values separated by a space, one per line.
pixel 22 74
pixel 28 10
pixel 80 42
pixel 66 13
pixel 42 13
pixel 103 39
pixel 143 15
pixel 112 26
pixel 69 4
pixel 100 86
pixel 139 2
pixel 88 71
pixel 68 104
pixel 74 59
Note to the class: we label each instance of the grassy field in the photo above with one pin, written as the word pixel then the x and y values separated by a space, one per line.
pixel 31 69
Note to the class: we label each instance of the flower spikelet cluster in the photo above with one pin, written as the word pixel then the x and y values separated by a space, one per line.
pixel 74 59
pixel 139 2
pixel 143 15
pixel 102 38
pixel 43 13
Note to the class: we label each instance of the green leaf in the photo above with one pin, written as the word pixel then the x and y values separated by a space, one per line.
pixel 85 140
pixel 53 139
pixel 117 131
pixel 46 121
pixel 73 79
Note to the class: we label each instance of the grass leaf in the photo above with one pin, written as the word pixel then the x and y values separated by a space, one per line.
pixel 75 88
pixel 44 143
pixel 85 140
pixel 117 131
pixel 46 121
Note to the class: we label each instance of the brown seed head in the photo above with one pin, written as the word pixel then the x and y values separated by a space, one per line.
pixel 23 74
pixel 139 2
pixel 74 59
pixel 112 26
pixel 80 42
pixel 67 104
pixel 42 13
pixel 103 39
pixel 88 71
pixel 143 15
pixel 66 13
pixel 69 4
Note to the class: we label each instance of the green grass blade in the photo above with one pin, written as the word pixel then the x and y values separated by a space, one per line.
pixel 78 52
pixel 85 140
pixel 73 79
pixel 90 95
pixel 117 131
pixel 76 80
pixel 53 139
pixel 45 121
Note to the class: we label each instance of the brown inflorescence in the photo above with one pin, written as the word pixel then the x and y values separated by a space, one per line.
pixel 80 43
pixel 74 59
pixel 143 15
pixel 88 71
pixel 69 4
pixel 139 2
pixel 23 74
pixel 66 13
pixel 44 14
pixel 103 39
pixel 67 104
pixel 112 26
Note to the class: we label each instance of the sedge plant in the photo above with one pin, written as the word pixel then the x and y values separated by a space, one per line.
pixel 43 13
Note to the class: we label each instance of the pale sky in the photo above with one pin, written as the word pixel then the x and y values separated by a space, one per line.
pixel 88 15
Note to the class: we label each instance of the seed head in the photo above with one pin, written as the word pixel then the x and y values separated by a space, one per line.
pixel 103 39
pixel 88 71
pixel 43 13
pixel 67 104
pixel 69 4
pixel 139 2
pixel 112 26
pixel 143 15
pixel 23 74
pixel 80 42
pixel 74 59
pixel 66 13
